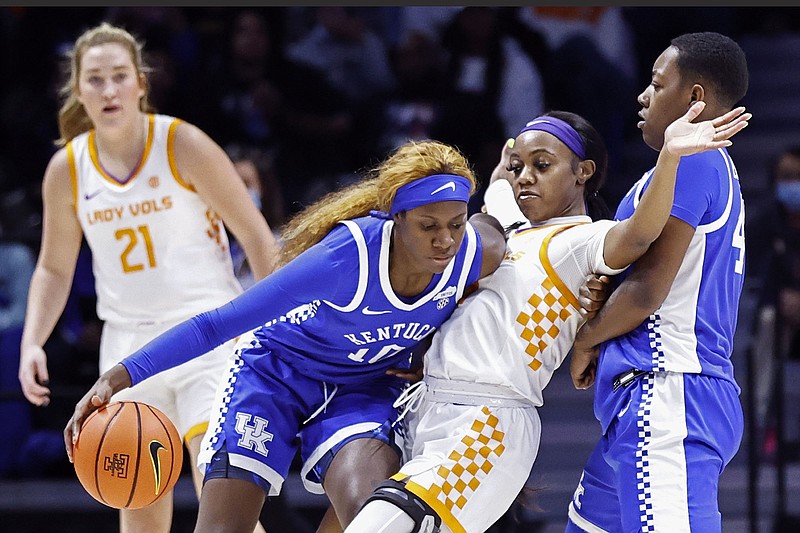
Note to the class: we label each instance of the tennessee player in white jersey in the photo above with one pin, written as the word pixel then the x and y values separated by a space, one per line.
pixel 150 194
pixel 476 432
pixel 163 233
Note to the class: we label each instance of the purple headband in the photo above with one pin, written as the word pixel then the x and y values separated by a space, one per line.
pixel 560 130
pixel 431 189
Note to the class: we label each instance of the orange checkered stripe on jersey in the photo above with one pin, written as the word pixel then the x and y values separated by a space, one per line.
pixel 468 464
pixel 549 306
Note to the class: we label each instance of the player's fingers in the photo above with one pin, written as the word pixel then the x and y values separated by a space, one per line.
pixel 97 400
pixel 36 394
pixel 729 116
pixel 41 372
pixel 730 130
pixel 69 438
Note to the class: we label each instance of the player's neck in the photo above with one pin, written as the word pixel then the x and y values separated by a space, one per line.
pixel 123 145
pixel 406 281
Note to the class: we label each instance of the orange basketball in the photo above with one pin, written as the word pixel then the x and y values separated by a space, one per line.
pixel 128 455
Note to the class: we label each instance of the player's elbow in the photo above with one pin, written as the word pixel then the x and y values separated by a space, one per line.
pixel 647 297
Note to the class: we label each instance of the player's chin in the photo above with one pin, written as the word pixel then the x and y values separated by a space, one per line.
pixel 439 263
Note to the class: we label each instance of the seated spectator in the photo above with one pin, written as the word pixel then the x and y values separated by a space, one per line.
pixel 493 87
pixel 253 95
pixel 590 71
pixel 350 55
pixel 774 260
pixel 255 166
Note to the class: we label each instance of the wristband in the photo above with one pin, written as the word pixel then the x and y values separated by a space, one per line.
pixel 502 205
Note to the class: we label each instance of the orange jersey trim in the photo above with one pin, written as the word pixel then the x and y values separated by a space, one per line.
pixel 551 273
pixel 73 176
pixel 96 158
pixel 194 431
pixel 443 512
pixel 537 228
pixel 173 165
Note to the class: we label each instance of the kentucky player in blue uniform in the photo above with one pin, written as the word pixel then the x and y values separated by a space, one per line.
pixel 666 396
pixel 357 291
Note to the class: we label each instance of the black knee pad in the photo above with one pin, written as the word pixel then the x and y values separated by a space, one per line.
pixel 425 518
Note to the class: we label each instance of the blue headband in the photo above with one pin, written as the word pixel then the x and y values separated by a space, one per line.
pixel 560 130
pixel 431 189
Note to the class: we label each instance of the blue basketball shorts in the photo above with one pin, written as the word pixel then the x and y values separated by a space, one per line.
pixel 262 418
pixel 657 468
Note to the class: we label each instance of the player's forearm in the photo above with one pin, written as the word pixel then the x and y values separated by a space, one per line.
pixel 47 297
pixel 626 309
pixel 653 210
pixel 262 253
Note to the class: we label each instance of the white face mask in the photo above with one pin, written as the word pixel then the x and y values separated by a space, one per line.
pixel 255 196
pixel 788 194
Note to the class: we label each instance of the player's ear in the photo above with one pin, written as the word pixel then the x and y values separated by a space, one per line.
pixel 697 93
pixel 586 170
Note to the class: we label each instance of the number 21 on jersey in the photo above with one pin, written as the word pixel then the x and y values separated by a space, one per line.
pixel 132 236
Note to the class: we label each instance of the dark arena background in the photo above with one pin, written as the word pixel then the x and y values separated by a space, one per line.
pixel 368 78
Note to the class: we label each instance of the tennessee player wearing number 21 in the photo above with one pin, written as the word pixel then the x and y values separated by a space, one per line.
pixel 150 193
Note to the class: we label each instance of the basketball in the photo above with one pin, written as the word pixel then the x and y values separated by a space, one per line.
pixel 128 455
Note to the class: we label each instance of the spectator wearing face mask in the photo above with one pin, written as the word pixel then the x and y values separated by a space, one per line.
pixel 255 166
pixel 778 270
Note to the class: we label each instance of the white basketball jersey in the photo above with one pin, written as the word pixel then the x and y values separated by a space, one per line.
pixel 159 252
pixel 520 323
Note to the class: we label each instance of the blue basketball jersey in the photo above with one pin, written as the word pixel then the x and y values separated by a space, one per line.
pixel 693 330
pixel 331 313
pixel 365 328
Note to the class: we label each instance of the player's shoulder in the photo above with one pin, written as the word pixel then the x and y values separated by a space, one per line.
pixel 708 160
pixel 347 233
pixel 187 136
pixel 60 164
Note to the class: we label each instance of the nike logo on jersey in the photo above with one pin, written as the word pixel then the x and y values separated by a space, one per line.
pixel 155 446
pixel 368 311
pixel 448 185
pixel 88 197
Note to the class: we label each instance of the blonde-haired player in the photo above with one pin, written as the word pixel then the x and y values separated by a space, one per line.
pixel 150 193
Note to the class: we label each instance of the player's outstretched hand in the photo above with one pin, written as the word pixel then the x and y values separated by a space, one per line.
pixel 684 137
pixel 111 382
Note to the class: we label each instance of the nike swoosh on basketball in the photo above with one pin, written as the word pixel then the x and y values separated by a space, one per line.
pixel 155 446
pixel 88 197
pixel 368 311
pixel 448 185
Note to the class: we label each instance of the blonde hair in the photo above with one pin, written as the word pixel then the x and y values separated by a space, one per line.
pixel 410 162
pixel 72 117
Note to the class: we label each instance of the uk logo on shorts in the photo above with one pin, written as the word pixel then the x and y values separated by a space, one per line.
pixel 254 436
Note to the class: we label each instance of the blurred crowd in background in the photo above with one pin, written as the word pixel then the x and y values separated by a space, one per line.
pixel 305 99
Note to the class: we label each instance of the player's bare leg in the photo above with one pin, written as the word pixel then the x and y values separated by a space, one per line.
pixel 197 476
pixel 155 518
pixel 229 505
pixel 355 472
pixel 330 522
